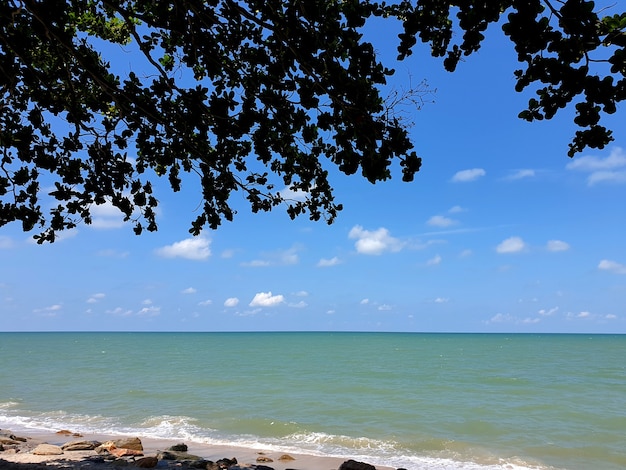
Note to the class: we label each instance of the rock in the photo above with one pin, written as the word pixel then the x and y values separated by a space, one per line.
pixel 179 447
pixel 200 464
pixel 1 448
pixel 285 457
pixel 65 432
pixel 8 442
pixel 354 465
pixel 225 463
pixel 124 452
pixel 178 456
pixel 147 462
pixel 105 447
pixel 119 463
pixel 263 458
pixel 80 445
pixel 133 443
pixel 47 449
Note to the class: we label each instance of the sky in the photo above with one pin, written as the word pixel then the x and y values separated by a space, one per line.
pixel 500 232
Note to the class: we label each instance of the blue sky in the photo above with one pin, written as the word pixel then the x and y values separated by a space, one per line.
pixel 499 232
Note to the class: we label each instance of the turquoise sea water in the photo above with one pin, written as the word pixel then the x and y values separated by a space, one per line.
pixel 419 401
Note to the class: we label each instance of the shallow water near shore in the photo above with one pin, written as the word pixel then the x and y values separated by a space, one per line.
pixel 418 401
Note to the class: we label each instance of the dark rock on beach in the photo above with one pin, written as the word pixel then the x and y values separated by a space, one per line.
pixel 354 465
pixel 178 456
pixel 182 447
pixel 146 462
pixel 226 463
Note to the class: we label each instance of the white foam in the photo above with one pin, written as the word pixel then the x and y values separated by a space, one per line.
pixel 376 452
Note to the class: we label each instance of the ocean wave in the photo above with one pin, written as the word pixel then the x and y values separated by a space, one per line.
pixel 375 451
pixel 8 405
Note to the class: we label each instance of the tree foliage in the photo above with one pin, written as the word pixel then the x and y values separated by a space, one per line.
pixel 252 96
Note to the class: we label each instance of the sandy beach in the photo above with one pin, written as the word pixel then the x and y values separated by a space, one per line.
pixel 20 451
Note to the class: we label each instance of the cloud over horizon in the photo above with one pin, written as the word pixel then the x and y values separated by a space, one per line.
pixel 266 299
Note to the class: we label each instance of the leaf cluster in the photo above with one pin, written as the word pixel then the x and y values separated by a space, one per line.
pixel 251 96
pixel 568 52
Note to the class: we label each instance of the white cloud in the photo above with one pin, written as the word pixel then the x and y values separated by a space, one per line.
pixel 146 302
pixel 205 303
pixel 106 216
pixel 120 312
pixel 256 263
pixel 583 315
pixel 606 176
pixel 610 169
pixel 434 261
pixel 530 320
pixel 441 300
pixel 151 311
pixel 521 174
pixel 189 290
pixel 612 266
pixel 549 312
pixel 302 293
pixel 289 256
pixel 374 243
pixel 49 311
pixel 301 304
pixel 365 301
pixel 95 298
pixel 440 221
pixel 465 253
pixel 226 254
pixel 291 195
pixel 266 299
pixel 501 318
pixel 190 248
pixel 247 313
pixel 456 209
pixel 616 159
pixel 325 263
pixel 384 307
pixel 557 245
pixel 468 175
pixel 511 245
pixel 231 302
pixel 610 316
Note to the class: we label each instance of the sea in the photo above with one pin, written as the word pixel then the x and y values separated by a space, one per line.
pixel 404 400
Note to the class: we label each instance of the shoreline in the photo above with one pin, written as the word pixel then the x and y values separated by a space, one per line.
pixel 19 454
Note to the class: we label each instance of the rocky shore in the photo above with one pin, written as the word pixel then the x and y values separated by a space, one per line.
pixel 68 450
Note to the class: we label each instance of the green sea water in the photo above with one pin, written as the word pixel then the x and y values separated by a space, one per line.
pixel 418 401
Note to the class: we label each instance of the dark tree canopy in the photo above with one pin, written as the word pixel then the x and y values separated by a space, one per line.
pixel 253 96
